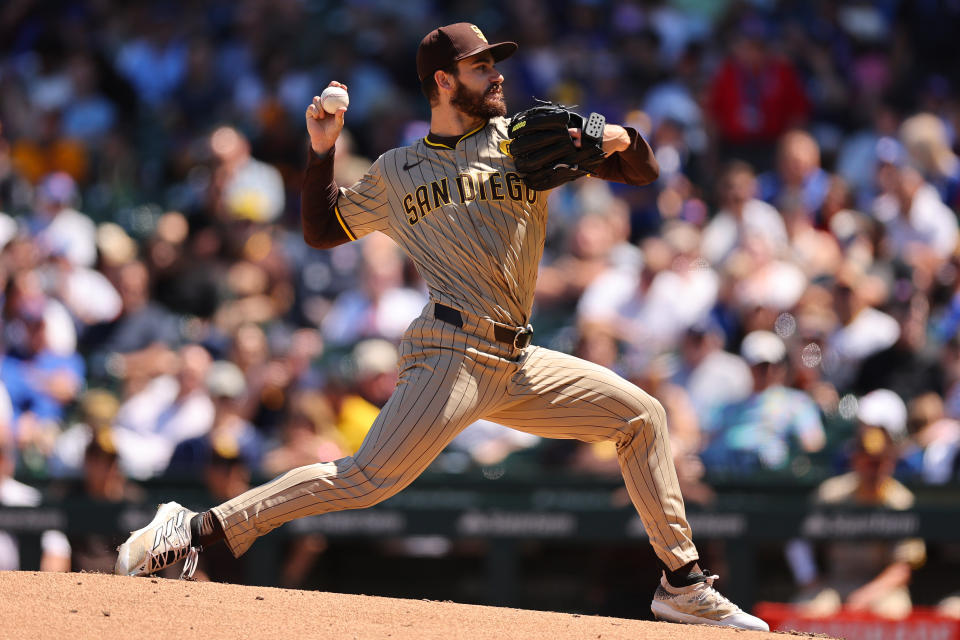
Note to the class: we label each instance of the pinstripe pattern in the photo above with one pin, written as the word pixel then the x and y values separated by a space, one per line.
pixel 491 231
pixel 476 235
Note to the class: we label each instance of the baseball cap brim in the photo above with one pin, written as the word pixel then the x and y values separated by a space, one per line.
pixel 499 50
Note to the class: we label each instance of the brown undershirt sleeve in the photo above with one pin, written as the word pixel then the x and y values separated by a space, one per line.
pixel 635 165
pixel 318 201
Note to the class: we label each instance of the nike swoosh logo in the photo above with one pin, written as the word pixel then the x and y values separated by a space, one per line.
pixel 407 167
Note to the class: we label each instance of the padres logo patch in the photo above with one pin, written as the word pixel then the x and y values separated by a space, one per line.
pixel 505 147
pixel 479 33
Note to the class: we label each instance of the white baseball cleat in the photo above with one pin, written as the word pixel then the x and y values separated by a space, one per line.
pixel 163 542
pixel 701 604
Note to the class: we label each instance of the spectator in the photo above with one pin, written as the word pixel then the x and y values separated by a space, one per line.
pixel 814 250
pixel 102 482
pixel 798 175
pixel 90 115
pixel 920 229
pixel 41 383
pixel 86 293
pixel 563 280
pixel 153 58
pixel 711 376
pixel 741 215
pixel 762 281
pixel 98 408
pixel 226 386
pixel 754 97
pixel 142 334
pixel 171 408
pixel 58 226
pixel 772 425
pixel 911 365
pixel 928 145
pixel 374 375
pixel 651 310
pixel 382 307
pixel 874 575
pixel 935 438
pixel 244 188
pixel 863 329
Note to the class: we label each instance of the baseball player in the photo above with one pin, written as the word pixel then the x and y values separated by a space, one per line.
pixel 456 204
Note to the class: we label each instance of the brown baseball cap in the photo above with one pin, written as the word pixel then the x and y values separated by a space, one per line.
pixel 445 45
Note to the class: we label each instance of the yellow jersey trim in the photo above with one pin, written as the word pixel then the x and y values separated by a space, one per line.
pixel 435 144
pixel 428 142
pixel 336 210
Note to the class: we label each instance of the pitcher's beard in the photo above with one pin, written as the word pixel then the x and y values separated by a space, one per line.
pixel 486 105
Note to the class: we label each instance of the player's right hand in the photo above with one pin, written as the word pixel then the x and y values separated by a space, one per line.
pixel 324 129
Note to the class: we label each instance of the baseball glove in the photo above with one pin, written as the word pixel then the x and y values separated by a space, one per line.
pixel 543 150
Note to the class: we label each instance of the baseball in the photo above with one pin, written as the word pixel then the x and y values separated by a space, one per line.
pixel 333 98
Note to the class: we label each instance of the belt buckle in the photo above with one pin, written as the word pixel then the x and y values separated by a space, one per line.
pixel 523 336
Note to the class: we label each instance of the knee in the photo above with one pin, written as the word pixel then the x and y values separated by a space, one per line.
pixel 649 413
pixel 373 488
pixel 648 407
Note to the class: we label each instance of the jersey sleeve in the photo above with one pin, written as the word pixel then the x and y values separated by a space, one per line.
pixel 364 207
pixel 635 165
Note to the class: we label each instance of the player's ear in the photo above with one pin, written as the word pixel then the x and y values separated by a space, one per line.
pixel 443 79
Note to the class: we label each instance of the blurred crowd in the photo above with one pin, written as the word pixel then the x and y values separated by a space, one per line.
pixel 789 288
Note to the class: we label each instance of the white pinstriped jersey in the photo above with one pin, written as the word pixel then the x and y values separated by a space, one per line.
pixel 463 215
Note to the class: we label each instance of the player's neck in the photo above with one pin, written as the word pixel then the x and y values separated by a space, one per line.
pixel 448 121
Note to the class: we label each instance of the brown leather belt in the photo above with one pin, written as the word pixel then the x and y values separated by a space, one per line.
pixel 518 337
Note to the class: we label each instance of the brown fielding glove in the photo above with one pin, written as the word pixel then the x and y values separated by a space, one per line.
pixel 541 146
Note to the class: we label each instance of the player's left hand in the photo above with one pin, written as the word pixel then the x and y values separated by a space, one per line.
pixel 615 138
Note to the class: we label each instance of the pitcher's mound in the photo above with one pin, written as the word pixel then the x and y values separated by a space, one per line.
pixel 62 606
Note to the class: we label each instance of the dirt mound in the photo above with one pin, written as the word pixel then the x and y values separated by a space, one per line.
pixel 105 607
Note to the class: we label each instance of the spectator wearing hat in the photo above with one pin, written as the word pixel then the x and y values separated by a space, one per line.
pixel 374 375
pixel 227 387
pixel 98 408
pixel 869 575
pixel 772 424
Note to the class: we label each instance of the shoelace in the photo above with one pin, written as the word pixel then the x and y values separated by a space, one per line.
pixel 190 565
pixel 708 579
pixel 155 562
